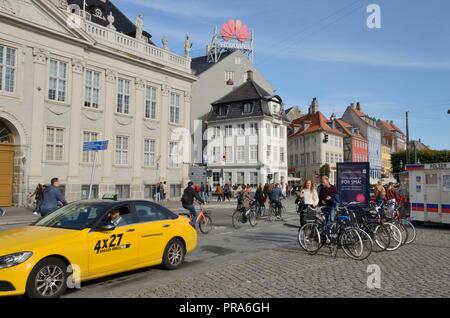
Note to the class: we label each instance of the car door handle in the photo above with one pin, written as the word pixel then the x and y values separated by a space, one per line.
pixel 167 225
pixel 130 230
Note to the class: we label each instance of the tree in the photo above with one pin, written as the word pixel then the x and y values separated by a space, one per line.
pixel 423 156
pixel 325 170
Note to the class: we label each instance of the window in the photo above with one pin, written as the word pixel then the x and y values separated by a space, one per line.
pixel 248 108
pixel 253 128
pixel 269 152
pixel 332 158
pixel 223 110
pixel 216 178
pixel 149 152
pixel 275 130
pixel 302 159
pixel 314 157
pixel 336 157
pixel 55 144
pixel 57 81
pixel 216 132
pixel 149 212
pixel 7 69
pixel 150 102
pixel 254 179
pixel 149 191
pixel 121 157
pixel 229 75
pixel 123 191
pixel 238 60
pixel 275 154
pixel 327 157
pixel 296 160
pixel 282 133
pixel 308 158
pixel 228 154
pixel 91 89
pixel 175 108
pixel 228 131
pixel 240 177
pixel 291 160
pixel 282 155
pixel 336 141
pixel 123 96
pixel 241 153
pixel 241 129
pixel 175 190
pixel 268 133
pixel 85 191
pixel 254 153
pixel 341 158
pixel 174 160
pixel 216 154
pixel 88 156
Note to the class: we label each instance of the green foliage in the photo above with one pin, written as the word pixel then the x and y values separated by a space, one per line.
pixel 423 156
pixel 325 170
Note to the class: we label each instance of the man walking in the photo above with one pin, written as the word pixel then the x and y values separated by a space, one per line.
pixel 52 198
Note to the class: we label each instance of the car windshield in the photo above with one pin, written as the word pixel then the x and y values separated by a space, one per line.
pixel 75 216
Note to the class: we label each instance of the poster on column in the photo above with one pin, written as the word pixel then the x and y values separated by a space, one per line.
pixel 353 182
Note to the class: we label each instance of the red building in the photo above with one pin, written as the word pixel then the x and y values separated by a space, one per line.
pixel 355 145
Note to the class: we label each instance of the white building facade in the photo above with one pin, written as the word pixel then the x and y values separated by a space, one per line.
pixel 247 138
pixel 65 84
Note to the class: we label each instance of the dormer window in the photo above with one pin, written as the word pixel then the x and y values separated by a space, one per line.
pixel 223 110
pixel 248 108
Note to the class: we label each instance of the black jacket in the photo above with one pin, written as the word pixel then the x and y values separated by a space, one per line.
pixel 189 195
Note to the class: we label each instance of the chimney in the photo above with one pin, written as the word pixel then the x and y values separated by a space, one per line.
pixel 358 106
pixel 314 108
pixel 249 76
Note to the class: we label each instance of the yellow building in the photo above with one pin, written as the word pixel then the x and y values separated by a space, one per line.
pixel 386 160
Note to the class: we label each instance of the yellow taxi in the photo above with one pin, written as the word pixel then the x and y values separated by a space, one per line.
pixel 91 239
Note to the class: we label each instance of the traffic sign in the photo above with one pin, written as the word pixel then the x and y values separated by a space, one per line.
pixel 98 145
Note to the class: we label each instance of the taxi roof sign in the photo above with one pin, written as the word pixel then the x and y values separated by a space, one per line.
pixel 110 197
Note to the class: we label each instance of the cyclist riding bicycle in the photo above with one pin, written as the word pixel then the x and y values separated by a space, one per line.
pixel 276 195
pixel 188 198
pixel 244 200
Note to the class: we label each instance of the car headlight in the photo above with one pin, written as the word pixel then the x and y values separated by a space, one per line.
pixel 14 259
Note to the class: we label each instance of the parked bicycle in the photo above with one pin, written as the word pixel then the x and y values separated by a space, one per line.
pixel 315 234
pixel 393 215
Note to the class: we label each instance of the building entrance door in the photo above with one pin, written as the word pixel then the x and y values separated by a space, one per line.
pixel 6 167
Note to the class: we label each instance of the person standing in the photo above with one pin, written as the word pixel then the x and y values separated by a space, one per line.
pixel 208 191
pixel 226 192
pixel 260 199
pixel 327 194
pixel 379 192
pixel 157 192
pixel 165 190
pixel 307 197
pixel 37 194
pixel 52 198
pixel 219 192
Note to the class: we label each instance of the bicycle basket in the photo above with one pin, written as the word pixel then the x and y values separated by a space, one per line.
pixel 310 214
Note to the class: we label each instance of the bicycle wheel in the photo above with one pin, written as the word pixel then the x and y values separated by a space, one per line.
pixel 382 236
pixel 402 229
pixel 356 243
pixel 236 219
pixel 271 216
pixel 396 236
pixel 205 224
pixel 309 238
pixel 411 230
pixel 252 218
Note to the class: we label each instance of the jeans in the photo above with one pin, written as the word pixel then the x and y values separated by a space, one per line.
pixel 203 196
pixel 158 196
pixel 192 211
pixel 330 214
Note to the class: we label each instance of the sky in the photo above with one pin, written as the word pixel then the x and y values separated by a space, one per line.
pixel 324 49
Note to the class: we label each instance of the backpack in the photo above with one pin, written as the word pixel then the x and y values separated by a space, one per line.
pixel 185 197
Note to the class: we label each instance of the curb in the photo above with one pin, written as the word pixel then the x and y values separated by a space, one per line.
pixel 291 225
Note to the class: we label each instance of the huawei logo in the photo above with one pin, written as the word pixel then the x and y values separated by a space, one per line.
pixel 235 30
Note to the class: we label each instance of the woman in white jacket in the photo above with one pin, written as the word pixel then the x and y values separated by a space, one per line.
pixel 307 197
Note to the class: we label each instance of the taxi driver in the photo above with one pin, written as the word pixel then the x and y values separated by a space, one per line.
pixel 116 219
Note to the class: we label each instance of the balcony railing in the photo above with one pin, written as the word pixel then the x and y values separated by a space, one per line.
pixel 131 45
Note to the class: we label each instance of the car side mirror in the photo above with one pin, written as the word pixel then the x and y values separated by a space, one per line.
pixel 106 226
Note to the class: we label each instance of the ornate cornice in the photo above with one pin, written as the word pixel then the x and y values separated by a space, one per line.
pixel 165 89
pixel 78 66
pixel 140 83
pixel 188 96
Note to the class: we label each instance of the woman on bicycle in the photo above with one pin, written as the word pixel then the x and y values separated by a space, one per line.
pixel 307 197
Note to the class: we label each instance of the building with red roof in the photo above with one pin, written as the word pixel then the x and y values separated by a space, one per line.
pixel 312 142
pixel 355 145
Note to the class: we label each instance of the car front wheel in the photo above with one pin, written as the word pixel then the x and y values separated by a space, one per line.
pixel 174 254
pixel 47 279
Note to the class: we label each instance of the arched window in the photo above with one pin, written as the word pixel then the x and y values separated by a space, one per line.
pixel 5 135
pixel 74 8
